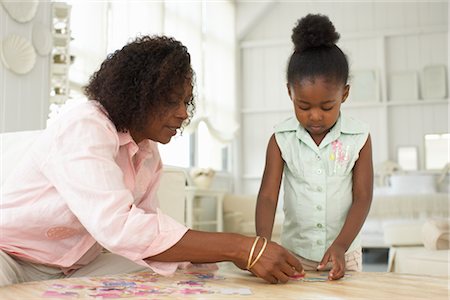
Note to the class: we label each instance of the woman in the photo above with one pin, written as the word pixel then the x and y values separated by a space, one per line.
pixel 89 182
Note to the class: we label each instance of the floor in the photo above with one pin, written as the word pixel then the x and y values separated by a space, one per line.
pixel 375 259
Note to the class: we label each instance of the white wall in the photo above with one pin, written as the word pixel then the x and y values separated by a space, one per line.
pixel 24 99
pixel 384 37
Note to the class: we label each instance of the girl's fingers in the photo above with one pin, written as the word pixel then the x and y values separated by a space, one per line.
pixel 324 261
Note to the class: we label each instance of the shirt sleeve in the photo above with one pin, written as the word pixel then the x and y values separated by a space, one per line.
pixel 82 168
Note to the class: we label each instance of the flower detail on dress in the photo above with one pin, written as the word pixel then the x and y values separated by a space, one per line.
pixel 339 154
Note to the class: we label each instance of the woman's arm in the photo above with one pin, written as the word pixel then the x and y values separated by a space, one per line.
pixel 269 190
pixel 275 265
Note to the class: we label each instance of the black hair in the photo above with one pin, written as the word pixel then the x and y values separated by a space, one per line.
pixel 137 82
pixel 315 51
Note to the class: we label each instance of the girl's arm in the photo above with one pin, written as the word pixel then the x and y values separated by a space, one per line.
pixel 269 190
pixel 275 265
pixel 362 197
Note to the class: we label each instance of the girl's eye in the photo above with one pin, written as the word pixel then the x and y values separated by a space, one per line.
pixel 327 108
pixel 303 107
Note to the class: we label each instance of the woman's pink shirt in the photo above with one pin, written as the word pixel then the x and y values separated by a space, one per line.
pixel 83 184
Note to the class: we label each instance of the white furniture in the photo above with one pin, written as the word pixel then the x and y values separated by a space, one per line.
pixel 194 197
pixel 60 61
pixel 427 254
pixel 419 260
pixel 390 214
pixel 171 193
pixel 239 216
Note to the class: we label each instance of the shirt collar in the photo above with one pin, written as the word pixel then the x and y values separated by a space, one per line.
pixel 125 138
pixel 343 125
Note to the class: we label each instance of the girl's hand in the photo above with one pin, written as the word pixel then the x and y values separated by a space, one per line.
pixel 336 255
pixel 275 265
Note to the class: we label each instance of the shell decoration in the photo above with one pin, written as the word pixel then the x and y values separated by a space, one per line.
pixel 22 11
pixel 17 54
pixel 42 39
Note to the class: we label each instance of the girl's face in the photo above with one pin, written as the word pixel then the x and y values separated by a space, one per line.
pixel 317 103
pixel 163 126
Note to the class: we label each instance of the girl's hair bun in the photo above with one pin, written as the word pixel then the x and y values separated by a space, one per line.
pixel 314 31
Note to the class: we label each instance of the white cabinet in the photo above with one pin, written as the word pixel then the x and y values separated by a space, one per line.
pixel 61 58
pixel 412 66
pixel 194 215
pixel 399 86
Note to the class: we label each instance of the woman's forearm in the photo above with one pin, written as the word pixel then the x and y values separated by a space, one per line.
pixel 207 247
pixel 272 263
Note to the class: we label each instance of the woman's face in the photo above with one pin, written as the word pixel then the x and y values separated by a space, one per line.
pixel 161 127
pixel 317 103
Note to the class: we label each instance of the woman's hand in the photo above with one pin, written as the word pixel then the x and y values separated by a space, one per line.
pixel 275 265
pixel 336 255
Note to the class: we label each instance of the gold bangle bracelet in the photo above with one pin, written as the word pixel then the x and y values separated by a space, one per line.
pixel 250 256
pixel 259 254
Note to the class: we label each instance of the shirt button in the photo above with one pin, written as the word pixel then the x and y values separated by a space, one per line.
pixel 319 171
pixel 318 157
pixel 319 242
pixel 319 207
pixel 319 188
pixel 319 225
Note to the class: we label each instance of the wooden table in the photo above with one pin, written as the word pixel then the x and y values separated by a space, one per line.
pixel 231 283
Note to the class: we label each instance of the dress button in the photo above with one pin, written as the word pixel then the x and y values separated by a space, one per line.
pixel 319 225
pixel 319 188
pixel 318 157
pixel 319 171
pixel 319 207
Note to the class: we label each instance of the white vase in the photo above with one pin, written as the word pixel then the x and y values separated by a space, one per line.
pixel 203 181
pixel 202 178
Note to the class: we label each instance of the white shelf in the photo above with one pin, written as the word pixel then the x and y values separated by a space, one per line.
pixel 248 111
pixel 418 102
pixel 58 99
pixel 351 36
pixel 265 110
pixel 59 71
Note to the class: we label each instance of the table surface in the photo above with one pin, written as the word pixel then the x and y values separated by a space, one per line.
pixel 231 283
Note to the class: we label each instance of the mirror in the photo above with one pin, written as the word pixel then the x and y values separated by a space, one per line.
pixel 407 158
pixel 437 151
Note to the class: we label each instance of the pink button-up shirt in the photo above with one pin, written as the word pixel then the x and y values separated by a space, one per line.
pixel 82 184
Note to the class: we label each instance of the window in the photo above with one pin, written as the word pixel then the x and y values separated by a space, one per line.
pixel 206 28
pixel 176 153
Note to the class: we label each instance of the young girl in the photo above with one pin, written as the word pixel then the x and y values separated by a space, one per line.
pixel 89 182
pixel 326 158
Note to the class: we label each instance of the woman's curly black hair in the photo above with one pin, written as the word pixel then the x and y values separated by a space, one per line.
pixel 136 82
